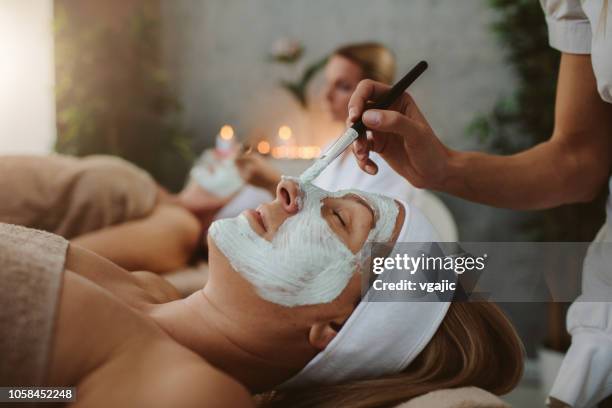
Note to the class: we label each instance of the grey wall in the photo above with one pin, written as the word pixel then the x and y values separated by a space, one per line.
pixel 216 51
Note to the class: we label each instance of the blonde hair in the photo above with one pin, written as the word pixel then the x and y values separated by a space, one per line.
pixel 475 345
pixel 376 61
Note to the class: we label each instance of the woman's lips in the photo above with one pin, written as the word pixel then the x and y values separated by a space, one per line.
pixel 258 219
pixel 261 216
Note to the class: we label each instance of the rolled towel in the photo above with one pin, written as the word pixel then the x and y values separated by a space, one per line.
pixel 71 196
pixel 31 270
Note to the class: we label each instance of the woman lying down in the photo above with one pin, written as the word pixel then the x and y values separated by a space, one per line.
pixel 280 317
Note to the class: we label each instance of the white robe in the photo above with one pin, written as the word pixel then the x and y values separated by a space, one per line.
pixel 585 376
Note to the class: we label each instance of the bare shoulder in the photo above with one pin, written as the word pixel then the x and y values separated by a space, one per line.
pixel 200 385
pixel 184 379
pixel 177 217
pixel 162 374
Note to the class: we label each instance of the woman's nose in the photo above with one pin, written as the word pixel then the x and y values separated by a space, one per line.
pixel 287 193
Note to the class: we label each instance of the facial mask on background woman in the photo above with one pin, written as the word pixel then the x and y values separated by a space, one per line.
pixel 306 262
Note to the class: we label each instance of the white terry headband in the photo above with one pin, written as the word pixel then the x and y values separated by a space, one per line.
pixel 379 338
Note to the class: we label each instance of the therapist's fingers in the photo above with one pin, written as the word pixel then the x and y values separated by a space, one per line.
pixel 365 91
pixel 361 150
pixel 367 165
pixel 392 122
pixel 361 147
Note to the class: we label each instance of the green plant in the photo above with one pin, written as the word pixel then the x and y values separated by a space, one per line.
pixel 299 87
pixel 112 93
pixel 526 117
pixel 289 52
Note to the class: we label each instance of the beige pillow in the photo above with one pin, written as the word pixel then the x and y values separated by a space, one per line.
pixel 466 397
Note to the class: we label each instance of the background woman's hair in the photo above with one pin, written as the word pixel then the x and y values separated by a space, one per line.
pixel 475 345
pixel 375 60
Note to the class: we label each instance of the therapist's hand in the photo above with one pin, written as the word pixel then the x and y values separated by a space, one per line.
pixel 401 135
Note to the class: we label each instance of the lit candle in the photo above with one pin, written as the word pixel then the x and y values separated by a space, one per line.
pixel 283 150
pixel 225 143
pixel 263 147
pixel 284 133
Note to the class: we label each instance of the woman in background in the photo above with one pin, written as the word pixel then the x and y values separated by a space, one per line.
pixel 346 67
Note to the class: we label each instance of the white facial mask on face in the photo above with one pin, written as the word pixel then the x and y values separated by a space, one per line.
pixel 306 262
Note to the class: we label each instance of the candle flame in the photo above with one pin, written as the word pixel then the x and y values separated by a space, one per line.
pixel 226 132
pixel 284 132
pixel 263 147
pixel 296 152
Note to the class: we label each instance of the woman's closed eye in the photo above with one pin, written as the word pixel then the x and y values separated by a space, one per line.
pixel 350 218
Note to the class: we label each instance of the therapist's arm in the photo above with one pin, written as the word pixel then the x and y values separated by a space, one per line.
pixel 572 166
